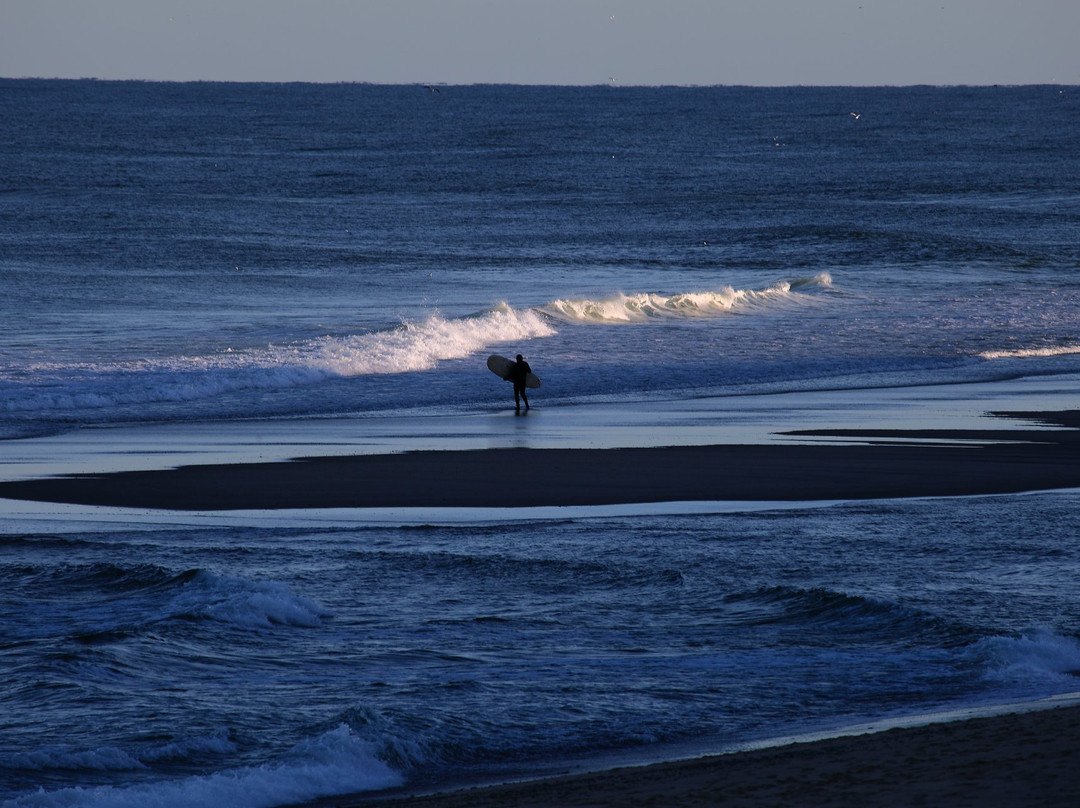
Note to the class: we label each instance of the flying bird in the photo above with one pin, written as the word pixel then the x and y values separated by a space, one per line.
pixel 855 115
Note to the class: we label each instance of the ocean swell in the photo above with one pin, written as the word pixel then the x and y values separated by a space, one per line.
pixel 126 388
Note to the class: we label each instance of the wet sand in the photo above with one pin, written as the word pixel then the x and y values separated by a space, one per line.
pixel 860 464
pixel 1010 761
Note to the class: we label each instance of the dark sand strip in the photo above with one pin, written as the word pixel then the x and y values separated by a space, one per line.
pixel 538 477
pixel 1012 761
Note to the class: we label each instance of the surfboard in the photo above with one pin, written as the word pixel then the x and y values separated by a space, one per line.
pixel 501 366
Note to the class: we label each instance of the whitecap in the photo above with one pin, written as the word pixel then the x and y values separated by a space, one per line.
pixel 336 762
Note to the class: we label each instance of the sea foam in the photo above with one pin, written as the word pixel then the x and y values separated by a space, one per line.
pixel 1035 656
pixel 247 604
pixel 336 762
pixel 643 307
pixel 1032 353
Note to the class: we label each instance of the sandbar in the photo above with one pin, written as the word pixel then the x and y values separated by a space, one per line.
pixel 829 465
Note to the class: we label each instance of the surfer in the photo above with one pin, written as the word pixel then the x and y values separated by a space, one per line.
pixel 518 371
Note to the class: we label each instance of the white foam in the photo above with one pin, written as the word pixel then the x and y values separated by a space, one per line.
pixel 643 307
pixel 418 346
pixel 250 604
pixel 336 762
pixel 1032 353
pixel 1037 656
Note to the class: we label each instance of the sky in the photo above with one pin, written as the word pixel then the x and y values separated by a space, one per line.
pixel 575 42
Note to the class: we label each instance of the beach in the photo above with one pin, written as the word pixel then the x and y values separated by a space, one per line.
pixel 1017 760
pixel 1026 758
pixel 1023 758
pixel 868 464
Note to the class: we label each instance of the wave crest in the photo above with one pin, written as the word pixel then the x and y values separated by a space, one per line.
pixel 643 307
pixel 420 346
pixel 1036 656
pixel 1032 353
pixel 246 604
pixel 334 763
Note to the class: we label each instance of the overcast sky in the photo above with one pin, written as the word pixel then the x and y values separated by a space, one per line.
pixel 760 42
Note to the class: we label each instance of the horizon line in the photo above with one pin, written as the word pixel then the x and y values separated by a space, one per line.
pixel 610 85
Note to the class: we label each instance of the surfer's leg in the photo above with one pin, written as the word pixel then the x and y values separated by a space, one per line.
pixel 526 399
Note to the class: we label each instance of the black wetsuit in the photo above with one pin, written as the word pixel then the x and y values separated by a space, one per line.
pixel 518 373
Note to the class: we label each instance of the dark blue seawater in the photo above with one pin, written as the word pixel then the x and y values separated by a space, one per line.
pixel 261 666
pixel 251 256
pixel 211 251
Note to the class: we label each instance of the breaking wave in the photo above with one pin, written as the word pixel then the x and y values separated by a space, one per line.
pixel 410 347
pixel 1032 353
pixel 336 762
pixel 74 390
pixel 640 308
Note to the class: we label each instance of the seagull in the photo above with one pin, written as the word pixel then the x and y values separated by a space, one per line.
pixel 855 115
pixel 433 89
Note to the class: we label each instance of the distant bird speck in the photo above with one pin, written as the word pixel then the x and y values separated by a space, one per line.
pixel 855 115
pixel 432 89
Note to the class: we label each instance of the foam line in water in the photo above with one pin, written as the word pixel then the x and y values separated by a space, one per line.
pixel 420 346
pixel 644 307
pixel 336 762
pixel 1032 353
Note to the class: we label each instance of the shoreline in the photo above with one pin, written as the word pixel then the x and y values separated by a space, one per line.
pixel 1004 760
pixel 858 464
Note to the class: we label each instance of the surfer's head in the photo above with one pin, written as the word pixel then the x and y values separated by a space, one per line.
pixel 519 357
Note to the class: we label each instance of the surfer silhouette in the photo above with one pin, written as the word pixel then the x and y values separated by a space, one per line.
pixel 518 371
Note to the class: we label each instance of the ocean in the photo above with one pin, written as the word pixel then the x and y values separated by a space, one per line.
pixel 203 272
